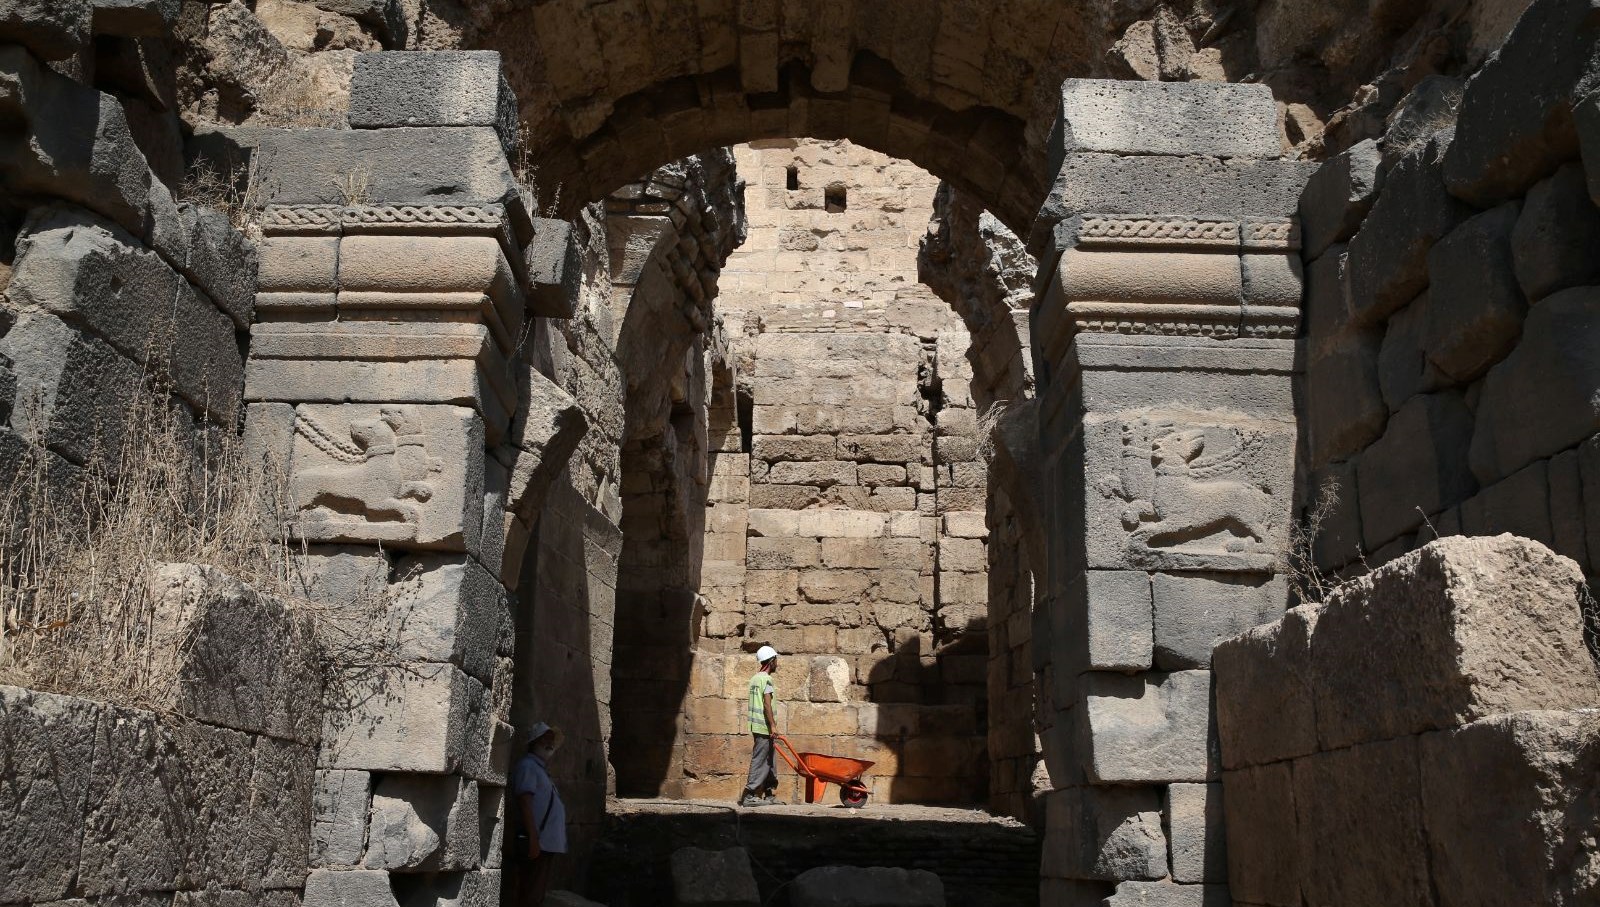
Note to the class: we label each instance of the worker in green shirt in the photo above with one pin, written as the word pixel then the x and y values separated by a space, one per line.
pixel 763 780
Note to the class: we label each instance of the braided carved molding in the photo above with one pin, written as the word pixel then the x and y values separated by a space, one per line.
pixel 284 220
pixel 1205 234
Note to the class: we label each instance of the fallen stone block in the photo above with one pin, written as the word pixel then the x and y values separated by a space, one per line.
pixel 1538 400
pixel 1194 612
pixel 1532 839
pixel 1388 256
pixel 1149 728
pixel 713 878
pixel 1475 306
pixel 1104 833
pixel 1418 467
pixel 72 389
pixel 433 88
pixel 1552 245
pixel 76 144
pixel 46 747
pixel 1515 122
pixel 51 29
pixel 1458 630
pixel 1265 706
pixel 1337 197
pixel 1361 807
pixel 877 886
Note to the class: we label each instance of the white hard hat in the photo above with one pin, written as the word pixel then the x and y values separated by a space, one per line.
pixel 766 654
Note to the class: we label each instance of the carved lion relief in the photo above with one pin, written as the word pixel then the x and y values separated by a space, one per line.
pixel 380 473
pixel 1194 491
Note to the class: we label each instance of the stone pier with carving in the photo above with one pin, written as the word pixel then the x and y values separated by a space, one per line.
pixel 400 272
pixel 1163 333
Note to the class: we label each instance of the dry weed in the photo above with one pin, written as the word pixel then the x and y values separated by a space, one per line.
pixel 78 549
pixel 1309 583
pixel 545 201
pixel 355 187
pixel 233 193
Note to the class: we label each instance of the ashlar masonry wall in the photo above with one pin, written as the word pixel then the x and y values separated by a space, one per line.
pixel 845 519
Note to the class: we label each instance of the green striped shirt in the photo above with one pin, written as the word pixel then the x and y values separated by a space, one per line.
pixel 760 685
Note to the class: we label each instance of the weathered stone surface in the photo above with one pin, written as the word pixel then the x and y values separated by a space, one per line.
pixel 1418 467
pixel 1339 542
pixel 247 662
pixel 1170 118
pixel 1461 629
pixel 413 721
pixel 1568 532
pixel 51 29
pixel 1337 197
pixel 72 389
pixel 1404 369
pixel 433 88
pixel 134 756
pixel 1264 853
pixel 853 886
pixel 1552 245
pixel 1167 894
pixel 94 275
pixel 1345 409
pixel 1195 833
pixel 423 822
pixel 220 261
pixel 1509 803
pixel 713 878
pixel 340 801
pixel 1105 622
pixel 418 166
pixel 46 747
pixel 1518 504
pixel 1156 184
pixel 349 888
pixel 1265 702
pixel 1361 806
pixel 1475 306
pixel 141 18
pixel 1104 833
pixel 447 609
pixel 76 144
pixel 1541 398
pixel 278 817
pixel 1194 612
pixel 555 268
pixel 1388 258
pixel 387 17
pixel 547 432
pixel 1515 121
pixel 1150 727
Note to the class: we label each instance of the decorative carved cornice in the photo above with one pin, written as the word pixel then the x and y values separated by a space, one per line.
pixel 1102 231
pixel 288 220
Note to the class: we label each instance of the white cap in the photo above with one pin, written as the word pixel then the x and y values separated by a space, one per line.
pixel 766 654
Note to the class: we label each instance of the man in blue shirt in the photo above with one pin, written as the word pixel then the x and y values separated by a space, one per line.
pixel 542 818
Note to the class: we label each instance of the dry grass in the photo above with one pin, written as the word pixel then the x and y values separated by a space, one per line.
pixel 1309 583
pixel 76 558
pixel 545 199
pixel 355 187
pixel 233 193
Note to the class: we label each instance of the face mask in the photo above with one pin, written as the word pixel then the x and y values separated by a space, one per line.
pixel 545 752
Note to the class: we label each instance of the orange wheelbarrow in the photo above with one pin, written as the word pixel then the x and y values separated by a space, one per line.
pixel 819 770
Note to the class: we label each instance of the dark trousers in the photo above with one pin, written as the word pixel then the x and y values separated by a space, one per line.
pixel 763 776
pixel 532 877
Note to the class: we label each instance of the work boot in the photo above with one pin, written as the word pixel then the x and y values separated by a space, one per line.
pixel 755 800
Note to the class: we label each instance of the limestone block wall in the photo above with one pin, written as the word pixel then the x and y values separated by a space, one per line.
pixel 845 516
pixel 1452 316
pixel 1430 723
pixel 210 798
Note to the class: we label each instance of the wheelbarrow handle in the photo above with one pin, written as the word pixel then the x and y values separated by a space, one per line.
pixel 791 757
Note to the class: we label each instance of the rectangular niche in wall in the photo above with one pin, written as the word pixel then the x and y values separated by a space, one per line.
pixel 834 199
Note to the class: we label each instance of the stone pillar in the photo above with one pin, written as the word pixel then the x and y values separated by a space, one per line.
pixel 1164 342
pixel 385 375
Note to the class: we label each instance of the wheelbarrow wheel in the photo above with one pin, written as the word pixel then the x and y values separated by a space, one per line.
pixel 853 795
